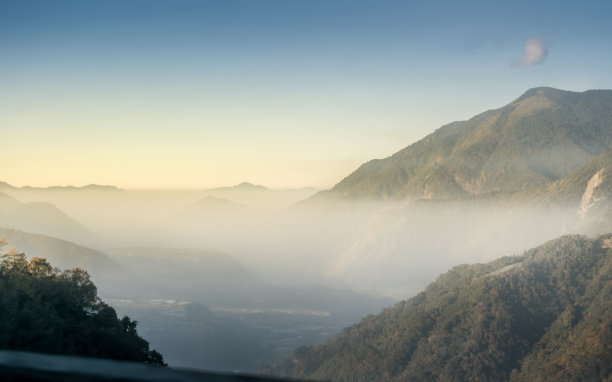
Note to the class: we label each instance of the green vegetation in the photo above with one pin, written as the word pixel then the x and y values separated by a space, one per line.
pixel 541 137
pixel 43 309
pixel 544 315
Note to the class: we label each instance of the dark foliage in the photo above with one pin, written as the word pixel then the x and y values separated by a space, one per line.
pixel 544 315
pixel 43 309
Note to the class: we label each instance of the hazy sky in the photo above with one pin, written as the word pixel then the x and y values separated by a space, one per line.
pixel 286 93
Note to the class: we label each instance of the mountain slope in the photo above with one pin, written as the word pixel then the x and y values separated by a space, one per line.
pixel 42 218
pixel 544 314
pixel 258 196
pixel 408 243
pixel 540 137
pixel 586 190
pixel 61 253
pixel 206 275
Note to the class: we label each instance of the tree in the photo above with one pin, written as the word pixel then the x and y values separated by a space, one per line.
pixel 43 309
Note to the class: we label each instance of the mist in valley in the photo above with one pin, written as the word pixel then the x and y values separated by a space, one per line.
pixel 367 246
pixel 211 165
pixel 238 277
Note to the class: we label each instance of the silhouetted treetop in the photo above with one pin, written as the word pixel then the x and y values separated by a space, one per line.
pixel 46 310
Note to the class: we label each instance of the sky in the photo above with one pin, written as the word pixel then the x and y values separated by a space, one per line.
pixel 283 93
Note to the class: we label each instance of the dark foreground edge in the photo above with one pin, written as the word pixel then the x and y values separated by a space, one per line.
pixel 26 367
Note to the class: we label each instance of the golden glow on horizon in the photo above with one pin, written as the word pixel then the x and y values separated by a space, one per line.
pixel 149 148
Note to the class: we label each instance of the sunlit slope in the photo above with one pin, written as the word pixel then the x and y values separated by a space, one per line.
pixel 431 235
pixel 542 136
pixel 544 314
pixel 597 175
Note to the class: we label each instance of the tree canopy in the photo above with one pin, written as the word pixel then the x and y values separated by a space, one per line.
pixel 541 316
pixel 43 309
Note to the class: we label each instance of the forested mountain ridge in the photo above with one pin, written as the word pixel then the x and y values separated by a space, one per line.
pixel 542 136
pixel 587 192
pixel 543 315
pixel 506 180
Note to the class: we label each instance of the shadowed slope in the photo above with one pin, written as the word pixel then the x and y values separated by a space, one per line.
pixel 42 218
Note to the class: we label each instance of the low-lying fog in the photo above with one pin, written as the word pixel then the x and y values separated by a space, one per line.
pixel 210 273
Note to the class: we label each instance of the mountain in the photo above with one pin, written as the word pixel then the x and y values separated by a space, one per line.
pixel 406 243
pixel 258 196
pixel 244 186
pixel 543 315
pixel 42 218
pixel 205 275
pixel 588 191
pixel 90 187
pixel 505 180
pixel 540 137
pixel 62 253
pixel 6 186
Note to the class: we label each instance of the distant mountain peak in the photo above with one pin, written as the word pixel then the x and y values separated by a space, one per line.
pixel 542 136
pixel 244 186
pixel 100 187
pixel 4 185
pixel 251 186
pixel 91 187
pixel 543 91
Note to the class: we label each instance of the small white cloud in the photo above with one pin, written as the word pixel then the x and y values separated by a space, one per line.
pixel 535 52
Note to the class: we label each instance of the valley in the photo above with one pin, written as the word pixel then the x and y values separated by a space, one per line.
pixel 234 278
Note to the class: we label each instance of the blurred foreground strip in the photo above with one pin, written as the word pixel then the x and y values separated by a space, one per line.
pixel 25 366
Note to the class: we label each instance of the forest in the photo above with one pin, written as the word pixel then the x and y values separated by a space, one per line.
pixel 43 309
pixel 540 316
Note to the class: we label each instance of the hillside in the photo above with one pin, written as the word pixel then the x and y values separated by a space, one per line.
pixel 543 315
pixel 258 196
pixel 505 180
pixel 51 311
pixel 433 235
pixel 587 191
pixel 42 218
pixel 542 136
pixel 204 275
pixel 62 253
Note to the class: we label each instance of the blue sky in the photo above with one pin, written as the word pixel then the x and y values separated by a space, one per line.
pixel 195 94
